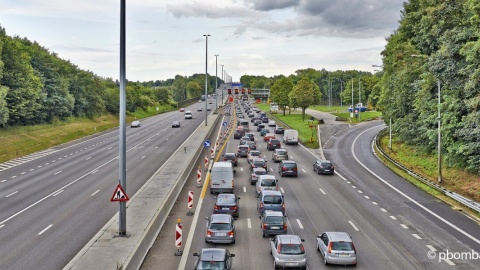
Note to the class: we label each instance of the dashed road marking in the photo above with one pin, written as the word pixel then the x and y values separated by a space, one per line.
pixel 431 248
pixel 244 189
pixel 299 224
pixel 353 225
pixel 249 223
pixel 366 197
pixel 359 191
pixel 393 217
pixel 404 226
pixel 323 192
pixel 13 193
pixel 416 236
pixel 354 187
pixel 57 172
pixel 93 194
pixel 281 189
pixel 383 210
pixel 375 203
pixel 44 230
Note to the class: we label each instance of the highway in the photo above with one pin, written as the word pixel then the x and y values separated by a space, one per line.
pixel 55 201
pixel 393 224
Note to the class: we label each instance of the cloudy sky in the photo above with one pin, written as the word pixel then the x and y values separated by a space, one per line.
pixel 165 37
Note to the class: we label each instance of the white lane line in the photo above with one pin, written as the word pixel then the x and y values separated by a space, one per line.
pixel 366 197
pixel 393 217
pixel 44 230
pixel 448 261
pixel 299 224
pixel 249 223
pixel 244 189
pixel 23 172
pixel 58 192
pixel 416 236
pixel 93 194
pixel 348 182
pixel 323 192
pixel 241 169
pixel 353 225
pixel 354 187
pixel 359 191
pixel 31 170
pixel 11 194
pixel 3 180
pixel 402 193
pixel 94 171
pixel 404 226
pixel 57 172
pixel 375 203
pixel 143 157
pixel 88 158
pixel 383 210
pixel 13 176
pixel 431 248
pixel 281 189
pixel 1 226
pixel 304 170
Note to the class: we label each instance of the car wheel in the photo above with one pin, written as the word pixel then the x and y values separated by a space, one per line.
pixel 264 235
pixel 318 247
pixel 274 264
pixel 325 259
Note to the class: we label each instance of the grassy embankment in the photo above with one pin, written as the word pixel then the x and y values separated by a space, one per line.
pixel 24 140
pixel 456 180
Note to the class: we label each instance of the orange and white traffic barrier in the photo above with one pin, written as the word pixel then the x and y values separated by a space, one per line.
pixel 199 177
pixel 212 152
pixel 178 238
pixel 190 203
pixel 206 163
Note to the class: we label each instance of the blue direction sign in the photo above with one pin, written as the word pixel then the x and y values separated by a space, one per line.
pixel 224 124
pixel 206 143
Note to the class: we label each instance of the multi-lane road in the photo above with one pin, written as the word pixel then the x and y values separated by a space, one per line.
pixel 54 202
pixel 393 224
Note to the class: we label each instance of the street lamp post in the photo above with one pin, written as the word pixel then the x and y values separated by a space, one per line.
pixel 206 72
pixel 351 115
pixel 216 85
pixel 223 84
pixel 359 96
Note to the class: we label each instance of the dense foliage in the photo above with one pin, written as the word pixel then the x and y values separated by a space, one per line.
pixel 437 41
pixel 37 87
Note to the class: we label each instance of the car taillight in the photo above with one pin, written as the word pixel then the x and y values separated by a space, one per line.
pixel 295 169
pixel 259 188
pixel 284 168
pixel 285 227
pixel 279 248
pixel 233 207
pixel 330 247
pixel 283 205
pixel 231 233
pixel 216 207
pixel 354 250
pixel 264 226
pixel 261 205
pixel 302 248
pixel 209 233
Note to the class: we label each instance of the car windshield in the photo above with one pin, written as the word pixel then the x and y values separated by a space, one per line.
pixel 272 200
pixel 342 246
pixel 211 265
pixel 269 182
pixel 225 200
pixel 259 162
pixel 262 172
pixel 283 153
pixel 255 154
pixel 289 165
pixel 274 220
pixel 229 156
pixel 220 226
pixel 326 164
pixel 290 249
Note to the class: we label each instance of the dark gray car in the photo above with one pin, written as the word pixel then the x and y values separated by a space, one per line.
pixel 213 258
pixel 271 200
pixel 273 222
pixel 220 229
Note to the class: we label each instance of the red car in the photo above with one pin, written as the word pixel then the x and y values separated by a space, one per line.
pixel 268 136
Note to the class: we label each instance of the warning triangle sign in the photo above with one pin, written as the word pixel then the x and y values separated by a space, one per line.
pixel 119 195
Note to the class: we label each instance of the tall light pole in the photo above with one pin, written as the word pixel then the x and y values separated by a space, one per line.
pixel 351 115
pixel 359 96
pixel 223 84
pixel 439 145
pixel 216 85
pixel 206 74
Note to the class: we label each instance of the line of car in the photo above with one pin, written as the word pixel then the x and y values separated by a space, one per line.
pixel 287 249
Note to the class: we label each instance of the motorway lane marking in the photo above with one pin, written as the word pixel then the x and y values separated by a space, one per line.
pixel 241 169
pixel 44 230
pixel 393 217
pixel 13 176
pixel 431 248
pixel 249 223
pixel 31 170
pixel 323 192
pixel 1 226
pixel 416 236
pixel 359 191
pixel 353 225
pixel 57 172
pixel 304 171
pixel 94 171
pixel 143 157
pixel 93 194
pixel 11 194
pixel 281 189
pixel 404 226
pixel 366 197
pixel 3 181
pixel 348 182
pixel 383 210
pixel 88 158
pixel 354 187
pixel 299 224
pixel 244 189
pixel 402 193
pixel 375 203
pixel 23 173
pixel 58 192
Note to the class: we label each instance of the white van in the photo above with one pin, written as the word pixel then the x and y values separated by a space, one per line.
pixel 188 115
pixel 221 177
pixel 290 136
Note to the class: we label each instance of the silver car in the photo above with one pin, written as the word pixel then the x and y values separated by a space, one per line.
pixel 220 229
pixel 288 251
pixel 273 222
pixel 337 248
pixel 266 182
pixel 279 155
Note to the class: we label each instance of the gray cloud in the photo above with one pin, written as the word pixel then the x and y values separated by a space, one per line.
pixel 197 9
pixel 268 5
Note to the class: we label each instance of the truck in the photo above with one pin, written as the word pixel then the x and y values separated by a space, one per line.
pixel 290 136
pixel 358 107
pixel 221 177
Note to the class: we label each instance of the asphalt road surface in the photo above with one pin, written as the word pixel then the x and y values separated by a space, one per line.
pixel 393 224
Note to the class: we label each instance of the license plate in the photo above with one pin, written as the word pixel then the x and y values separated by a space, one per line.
pixel 221 234
pixel 225 208
pixel 291 263
pixel 343 255
pixel 275 228
pixel 327 170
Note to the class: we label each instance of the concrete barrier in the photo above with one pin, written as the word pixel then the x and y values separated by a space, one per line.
pixel 147 211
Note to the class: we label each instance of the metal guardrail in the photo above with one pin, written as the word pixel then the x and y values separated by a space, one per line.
pixel 455 196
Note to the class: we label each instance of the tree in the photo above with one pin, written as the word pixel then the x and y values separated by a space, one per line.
pixel 304 94
pixel 279 92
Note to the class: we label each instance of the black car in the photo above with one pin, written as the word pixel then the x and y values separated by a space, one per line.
pixel 232 157
pixel 279 130
pixel 273 144
pixel 175 124
pixel 260 127
pixel 324 167
pixel 265 120
pixel 213 258
pixel 288 168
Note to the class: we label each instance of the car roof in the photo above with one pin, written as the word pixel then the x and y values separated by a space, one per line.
pixel 258 159
pixel 221 218
pixel 229 154
pixel 339 236
pixel 271 192
pixel 228 195
pixel 289 161
pixel 267 176
pixel 324 161
pixel 280 149
pixel 212 254
pixel 271 213
pixel 289 238
pixel 258 169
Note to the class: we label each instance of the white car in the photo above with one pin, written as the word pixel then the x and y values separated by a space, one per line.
pixel 188 115
pixel 135 123
pixel 272 123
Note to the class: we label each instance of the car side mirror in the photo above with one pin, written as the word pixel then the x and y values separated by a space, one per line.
pixel 232 255
pixel 195 254
pixel 234 171
pixel 303 240
pixel 207 218
pixel 238 198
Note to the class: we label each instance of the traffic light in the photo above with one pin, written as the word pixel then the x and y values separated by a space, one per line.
pixel 249 91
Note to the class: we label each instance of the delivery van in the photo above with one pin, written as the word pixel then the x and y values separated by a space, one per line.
pixel 221 177
pixel 290 136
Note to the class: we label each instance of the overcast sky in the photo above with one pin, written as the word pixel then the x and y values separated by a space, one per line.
pixel 165 37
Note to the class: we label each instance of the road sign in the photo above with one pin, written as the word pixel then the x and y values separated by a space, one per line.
pixel 224 124
pixel 206 143
pixel 119 195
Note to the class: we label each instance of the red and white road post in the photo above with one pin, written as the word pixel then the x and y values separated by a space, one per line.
pixel 178 238
pixel 190 203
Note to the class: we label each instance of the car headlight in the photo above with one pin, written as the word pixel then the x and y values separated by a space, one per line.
pixel 277 259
